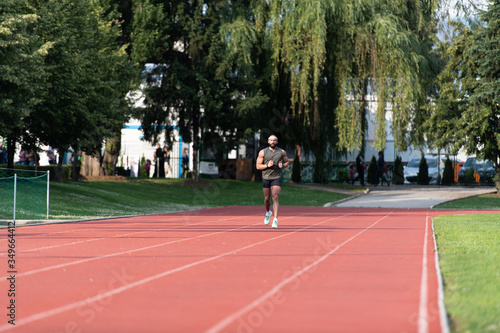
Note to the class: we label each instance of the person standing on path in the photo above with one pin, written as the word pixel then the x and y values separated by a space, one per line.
pixel 159 156
pixel 271 161
pixel 381 169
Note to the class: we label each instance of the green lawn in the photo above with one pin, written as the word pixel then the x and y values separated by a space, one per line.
pixel 469 247
pixel 148 196
pixel 476 202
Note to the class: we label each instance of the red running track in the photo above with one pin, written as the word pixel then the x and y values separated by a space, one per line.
pixel 223 270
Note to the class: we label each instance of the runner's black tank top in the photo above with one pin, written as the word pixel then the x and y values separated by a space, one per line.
pixel 273 172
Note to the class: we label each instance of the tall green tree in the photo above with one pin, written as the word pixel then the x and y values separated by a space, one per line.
pixel 22 79
pixel 467 113
pixel 482 118
pixel 349 49
pixel 199 82
pixel 455 84
pixel 88 75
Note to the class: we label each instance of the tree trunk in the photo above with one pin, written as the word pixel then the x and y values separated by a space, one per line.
pixel 58 175
pixel 497 182
pixel 111 154
pixel 11 150
pixel 196 142
pixel 91 165
pixel 364 120
pixel 74 165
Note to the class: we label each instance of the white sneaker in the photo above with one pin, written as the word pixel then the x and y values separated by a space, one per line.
pixel 275 223
pixel 267 219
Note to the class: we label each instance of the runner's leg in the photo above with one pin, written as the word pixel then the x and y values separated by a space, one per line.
pixel 275 191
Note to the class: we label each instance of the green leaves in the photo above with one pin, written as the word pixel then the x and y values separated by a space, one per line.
pixel 469 85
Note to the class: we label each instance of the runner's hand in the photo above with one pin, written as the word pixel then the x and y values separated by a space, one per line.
pixel 270 163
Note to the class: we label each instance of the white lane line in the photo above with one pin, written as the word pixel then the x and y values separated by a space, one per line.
pixel 231 318
pixel 117 236
pixel 423 320
pixel 48 268
pixel 109 293
pixel 105 227
pixel 443 318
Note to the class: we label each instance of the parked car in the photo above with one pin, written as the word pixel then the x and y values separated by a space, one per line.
pixel 484 168
pixel 412 168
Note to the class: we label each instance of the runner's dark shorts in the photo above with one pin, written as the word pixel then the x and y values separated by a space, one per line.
pixel 267 183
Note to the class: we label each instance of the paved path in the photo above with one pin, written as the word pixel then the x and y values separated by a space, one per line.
pixel 412 197
pixel 405 196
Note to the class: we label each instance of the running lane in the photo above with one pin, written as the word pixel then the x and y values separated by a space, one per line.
pixel 222 270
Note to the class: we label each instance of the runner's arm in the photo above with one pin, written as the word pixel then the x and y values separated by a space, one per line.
pixel 260 165
pixel 285 160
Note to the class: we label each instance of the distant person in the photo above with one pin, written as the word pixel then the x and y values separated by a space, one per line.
pixel 166 155
pixel 78 158
pixel 147 167
pixel 271 161
pixel 31 156
pixel 51 156
pixel 352 174
pixel 159 162
pixel 381 169
pixel 3 153
pixel 23 156
pixel 185 162
pixel 360 168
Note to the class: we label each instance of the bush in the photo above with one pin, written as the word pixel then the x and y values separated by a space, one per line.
pixel 65 175
pixel 448 173
pixel 398 174
pixel 142 168
pixel 371 177
pixel 296 170
pixel 469 176
pixel 342 175
pixel 121 171
pixel 423 172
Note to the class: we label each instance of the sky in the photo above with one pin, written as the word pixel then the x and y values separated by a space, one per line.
pixel 449 12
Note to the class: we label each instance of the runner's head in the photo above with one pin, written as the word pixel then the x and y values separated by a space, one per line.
pixel 273 141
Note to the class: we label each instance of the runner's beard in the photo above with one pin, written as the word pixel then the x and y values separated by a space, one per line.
pixel 272 145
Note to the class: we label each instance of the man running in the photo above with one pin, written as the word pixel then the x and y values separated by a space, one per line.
pixel 271 160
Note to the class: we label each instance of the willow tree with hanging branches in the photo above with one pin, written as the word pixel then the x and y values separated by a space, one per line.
pixel 379 47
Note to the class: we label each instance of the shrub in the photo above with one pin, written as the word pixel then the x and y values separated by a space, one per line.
pixel 372 171
pixel 398 174
pixel 469 176
pixel 342 175
pixel 296 170
pixel 448 173
pixel 423 172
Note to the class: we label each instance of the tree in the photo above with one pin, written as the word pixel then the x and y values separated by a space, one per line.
pixel 423 172
pixel 372 171
pixel 200 82
pixel 481 120
pixel 398 174
pixel 22 71
pixel 448 173
pixel 89 75
pixel 467 113
pixel 296 169
pixel 382 46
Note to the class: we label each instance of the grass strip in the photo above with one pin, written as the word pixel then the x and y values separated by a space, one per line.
pixel 476 202
pixel 149 196
pixel 469 247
